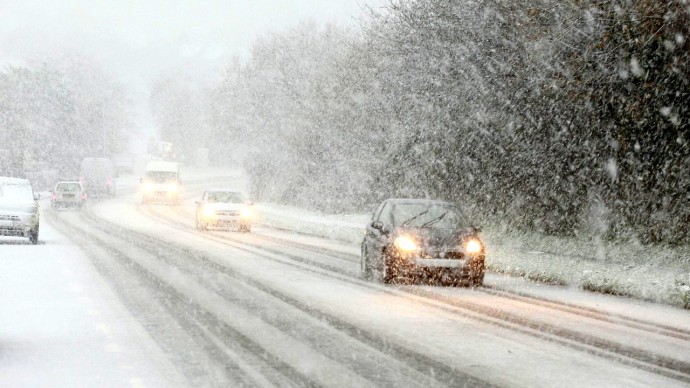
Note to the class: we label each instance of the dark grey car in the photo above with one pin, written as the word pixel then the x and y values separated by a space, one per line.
pixel 422 239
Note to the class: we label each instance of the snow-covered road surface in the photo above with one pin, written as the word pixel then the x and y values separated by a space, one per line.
pixel 273 308
pixel 61 325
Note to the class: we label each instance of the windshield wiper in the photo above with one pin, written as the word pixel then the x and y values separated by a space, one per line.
pixel 435 220
pixel 414 217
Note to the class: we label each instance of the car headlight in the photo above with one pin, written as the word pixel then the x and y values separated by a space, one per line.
pixel 405 244
pixel 473 246
pixel 209 212
pixel 245 213
pixel 148 187
pixel 172 187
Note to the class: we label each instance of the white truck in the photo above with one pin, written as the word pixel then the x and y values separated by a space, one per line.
pixel 161 182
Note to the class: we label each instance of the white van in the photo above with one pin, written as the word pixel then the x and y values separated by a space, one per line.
pixel 161 182
pixel 18 209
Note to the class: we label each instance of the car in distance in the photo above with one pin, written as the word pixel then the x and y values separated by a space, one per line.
pixel 19 214
pixel 221 208
pixel 68 194
pixel 97 176
pixel 161 182
pixel 419 238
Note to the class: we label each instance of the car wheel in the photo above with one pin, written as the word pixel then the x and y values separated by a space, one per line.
pixel 478 280
pixel 386 274
pixel 365 265
pixel 33 236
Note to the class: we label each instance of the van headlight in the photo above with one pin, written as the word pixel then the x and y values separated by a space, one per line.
pixel 473 246
pixel 245 213
pixel 405 244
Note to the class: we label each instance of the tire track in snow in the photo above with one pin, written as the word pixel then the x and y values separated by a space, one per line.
pixel 639 358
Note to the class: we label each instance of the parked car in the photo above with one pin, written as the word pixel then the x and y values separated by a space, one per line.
pixel 97 176
pixel 222 208
pixel 68 194
pixel 161 182
pixel 419 238
pixel 19 210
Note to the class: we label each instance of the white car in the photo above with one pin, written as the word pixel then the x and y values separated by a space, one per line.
pixel 18 209
pixel 221 208
pixel 68 194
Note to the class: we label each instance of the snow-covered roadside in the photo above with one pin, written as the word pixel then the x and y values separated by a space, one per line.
pixel 652 273
pixel 61 325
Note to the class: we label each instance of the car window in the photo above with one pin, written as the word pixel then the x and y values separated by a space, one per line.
pixel 68 187
pixel 377 212
pixel 426 215
pixel 16 192
pixel 161 176
pixel 226 197
pixel 385 215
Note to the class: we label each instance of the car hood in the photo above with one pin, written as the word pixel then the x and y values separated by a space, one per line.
pixel 225 206
pixel 437 237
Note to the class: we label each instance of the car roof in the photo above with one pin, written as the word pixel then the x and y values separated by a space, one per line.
pixel 6 179
pixel 77 182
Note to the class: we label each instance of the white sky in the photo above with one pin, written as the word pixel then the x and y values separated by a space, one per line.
pixel 162 31
pixel 140 40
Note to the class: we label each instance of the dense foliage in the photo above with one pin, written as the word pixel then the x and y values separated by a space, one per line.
pixel 559 116
pixel 53 116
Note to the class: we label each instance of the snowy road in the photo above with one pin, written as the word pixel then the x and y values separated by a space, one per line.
pixel 273 308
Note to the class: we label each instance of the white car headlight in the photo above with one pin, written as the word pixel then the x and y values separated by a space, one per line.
pixel 245 213
pixel 172 187
pixel 405 244
pixel 473 246
pixel 148 187
pixel 209 211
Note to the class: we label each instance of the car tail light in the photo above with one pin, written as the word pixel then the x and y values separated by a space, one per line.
pixel 53 196
pixel 83 196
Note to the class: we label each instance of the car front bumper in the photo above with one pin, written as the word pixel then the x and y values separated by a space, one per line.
pixel 226 221
pixel 16 225
pixel 464 267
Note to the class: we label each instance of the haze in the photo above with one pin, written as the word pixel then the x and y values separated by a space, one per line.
pixel 141 40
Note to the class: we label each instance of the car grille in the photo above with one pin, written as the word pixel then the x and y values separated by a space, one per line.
pixel 5 217
pixel 443 255
pixel 227 212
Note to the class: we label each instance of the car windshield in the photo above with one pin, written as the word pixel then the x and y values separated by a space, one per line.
pixel 68 186
pixel 225 196
pixel 424 215
pixel 161 176
pixel 16 192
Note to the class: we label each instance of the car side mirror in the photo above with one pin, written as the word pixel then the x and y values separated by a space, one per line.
pixel 378 225
pixel 37 197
